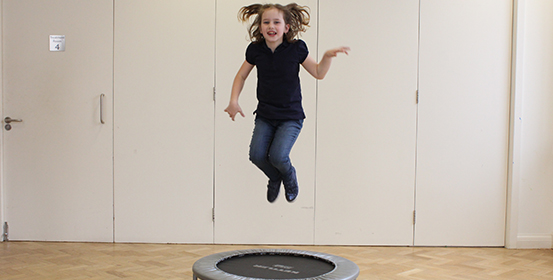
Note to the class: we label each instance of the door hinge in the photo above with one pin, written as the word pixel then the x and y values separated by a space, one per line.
pixel 213 214
pixel 417 96
pixel 5 232
pixel 414 217
pixel 214 93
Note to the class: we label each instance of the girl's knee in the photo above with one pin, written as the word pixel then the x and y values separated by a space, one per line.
pixel 257 158
pixel 279 162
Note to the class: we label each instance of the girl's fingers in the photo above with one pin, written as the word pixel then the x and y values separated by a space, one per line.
pixel 232 115
pixel 345 50
pixel 334 52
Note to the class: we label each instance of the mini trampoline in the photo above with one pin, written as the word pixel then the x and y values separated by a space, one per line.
pixel 274 264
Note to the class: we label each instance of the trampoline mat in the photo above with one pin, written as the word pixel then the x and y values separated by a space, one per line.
pixel 276 266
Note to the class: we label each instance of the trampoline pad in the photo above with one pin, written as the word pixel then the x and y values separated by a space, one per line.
pixel 276 266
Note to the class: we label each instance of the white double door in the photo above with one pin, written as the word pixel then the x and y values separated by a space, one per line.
pixel 378 164
pixel 157 170
pixel 394 170
pixel 144 174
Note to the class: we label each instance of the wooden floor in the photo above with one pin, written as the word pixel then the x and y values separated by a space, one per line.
pixel 43 260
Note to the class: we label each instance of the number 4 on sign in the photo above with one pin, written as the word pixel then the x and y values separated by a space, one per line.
pixel 57 43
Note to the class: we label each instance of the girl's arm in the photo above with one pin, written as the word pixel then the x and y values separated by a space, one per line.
pixel 319 70
pixel 237 86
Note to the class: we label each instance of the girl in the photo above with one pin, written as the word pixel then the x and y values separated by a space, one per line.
pixel 279 115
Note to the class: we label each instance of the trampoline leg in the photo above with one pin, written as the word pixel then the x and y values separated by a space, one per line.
pixel 194 277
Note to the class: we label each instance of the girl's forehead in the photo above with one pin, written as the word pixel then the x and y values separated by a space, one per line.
pixel 272 13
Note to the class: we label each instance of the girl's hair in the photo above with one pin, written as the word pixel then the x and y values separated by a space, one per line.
pixel 295 15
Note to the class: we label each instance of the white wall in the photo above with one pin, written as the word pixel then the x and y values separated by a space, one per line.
pixel 532 187
pixel 531 194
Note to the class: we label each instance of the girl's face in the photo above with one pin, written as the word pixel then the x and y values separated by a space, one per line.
pixel 273 26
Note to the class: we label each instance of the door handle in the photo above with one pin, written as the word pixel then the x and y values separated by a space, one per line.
pixel 10 120
pixel 102 108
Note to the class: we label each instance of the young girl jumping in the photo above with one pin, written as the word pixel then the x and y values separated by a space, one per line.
pixel 277 54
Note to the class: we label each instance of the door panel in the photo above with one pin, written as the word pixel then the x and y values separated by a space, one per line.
pixel 58 162
pixel 242 213
pixel 164 65
pixel 367 123
pixel 463 122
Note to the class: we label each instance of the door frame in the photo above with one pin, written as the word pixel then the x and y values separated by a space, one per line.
pixel 2 218
pixel 515 127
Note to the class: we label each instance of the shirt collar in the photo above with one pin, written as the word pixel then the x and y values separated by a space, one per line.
pixel 283 45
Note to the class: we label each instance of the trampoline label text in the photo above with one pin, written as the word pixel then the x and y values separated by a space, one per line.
pixel 277 267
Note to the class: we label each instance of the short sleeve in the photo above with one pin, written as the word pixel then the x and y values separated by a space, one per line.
pixel 303 52
pixel 250 54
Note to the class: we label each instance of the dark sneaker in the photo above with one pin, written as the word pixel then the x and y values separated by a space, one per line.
pixel 291 187
pixel 273 189
pixel 292 193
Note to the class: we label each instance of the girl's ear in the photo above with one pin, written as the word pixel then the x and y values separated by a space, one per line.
pixel 287 28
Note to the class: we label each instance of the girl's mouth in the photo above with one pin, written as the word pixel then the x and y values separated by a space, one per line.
pixel 271 33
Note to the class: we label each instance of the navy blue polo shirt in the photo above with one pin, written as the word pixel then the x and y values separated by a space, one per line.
pixel 278 81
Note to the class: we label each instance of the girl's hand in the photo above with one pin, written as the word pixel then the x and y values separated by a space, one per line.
pixel 319 70
pixel 334 52
pixel 233 109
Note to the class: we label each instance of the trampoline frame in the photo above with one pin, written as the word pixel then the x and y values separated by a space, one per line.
pixel 206 267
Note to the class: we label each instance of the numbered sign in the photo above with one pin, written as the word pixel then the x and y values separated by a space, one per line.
pixel 57 43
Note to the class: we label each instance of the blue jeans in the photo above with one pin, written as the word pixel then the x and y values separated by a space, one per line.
pixel 272 141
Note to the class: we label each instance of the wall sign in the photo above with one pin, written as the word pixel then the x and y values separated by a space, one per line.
pixel 57 43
